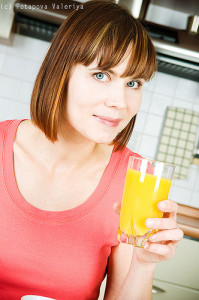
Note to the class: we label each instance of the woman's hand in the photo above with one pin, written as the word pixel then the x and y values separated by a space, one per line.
pixel 161 246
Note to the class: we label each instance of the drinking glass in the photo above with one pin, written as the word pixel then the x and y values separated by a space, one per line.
pixel 147 182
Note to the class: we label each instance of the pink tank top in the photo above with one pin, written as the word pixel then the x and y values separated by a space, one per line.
pixel 62 255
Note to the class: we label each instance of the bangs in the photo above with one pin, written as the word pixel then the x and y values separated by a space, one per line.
pixel 114 42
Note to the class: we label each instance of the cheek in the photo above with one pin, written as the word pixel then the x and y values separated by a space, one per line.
pixel 134 103
pixel 76 95
pixel 82 94
pixel 76 105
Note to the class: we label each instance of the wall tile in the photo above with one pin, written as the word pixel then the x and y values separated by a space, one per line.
pixel 31 70
pixel 140 122
pixel 196 98
pixel 38 49
pixel 14 66
pixel 134 142
pixel 159 104
pixel 186 89
pixel 171 193
pixel 146 100
pixel 22 110
pixel 20 46
pixel 195 200
pixel 196 107
pixel 196 182
pixel 153 125
pixel 180 195
pixel 148 146
pixel 3 48
pixel 28 47
pixel 188 183
pixel 13 110
pixel 9 87
pixel 25 92
pixel 150 85
pixel 182 103
pixel 2 57
pixel 20 68
pixel 165 84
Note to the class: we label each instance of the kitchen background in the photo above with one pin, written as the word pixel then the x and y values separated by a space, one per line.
pixel 20 62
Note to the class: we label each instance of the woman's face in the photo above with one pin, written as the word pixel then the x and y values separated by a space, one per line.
pixel 101 104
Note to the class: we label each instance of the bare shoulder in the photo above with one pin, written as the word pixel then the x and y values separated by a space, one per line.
pixel 24 131
pixel 25 134
pixel 118 268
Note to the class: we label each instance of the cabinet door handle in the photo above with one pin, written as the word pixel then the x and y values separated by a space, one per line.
pixel 156 290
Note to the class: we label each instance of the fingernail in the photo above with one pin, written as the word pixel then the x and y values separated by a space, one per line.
pixel 149 222
pixel 153 237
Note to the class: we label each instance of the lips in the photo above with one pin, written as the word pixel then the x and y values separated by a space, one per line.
pixel 108 121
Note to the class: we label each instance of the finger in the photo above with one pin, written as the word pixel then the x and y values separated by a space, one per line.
pixel 172 244
pixel 168 206
pixel 117 207
pixel 167 235
pixel 161 223
pixel 161 249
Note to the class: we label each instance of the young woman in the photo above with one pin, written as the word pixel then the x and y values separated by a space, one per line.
pixel 62 172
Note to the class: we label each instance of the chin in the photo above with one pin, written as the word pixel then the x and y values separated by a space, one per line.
pixel 103 140
pixel 101 137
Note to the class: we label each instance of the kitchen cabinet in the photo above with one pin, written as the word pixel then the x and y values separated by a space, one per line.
pixel 188 220
pixel 167 291
pixel 178 278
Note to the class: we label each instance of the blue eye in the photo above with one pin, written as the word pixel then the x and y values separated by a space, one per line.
pixel 101 76
pixel 133 84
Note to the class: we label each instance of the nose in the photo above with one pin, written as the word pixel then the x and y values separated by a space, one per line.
pixel 116 97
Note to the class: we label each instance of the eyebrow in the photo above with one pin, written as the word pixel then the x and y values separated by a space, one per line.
pixel 98 68
pixel 114 73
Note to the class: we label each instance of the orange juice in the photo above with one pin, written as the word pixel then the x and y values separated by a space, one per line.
pixel 142 192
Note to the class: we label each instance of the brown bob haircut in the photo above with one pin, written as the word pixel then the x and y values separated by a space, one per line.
pixel 102 30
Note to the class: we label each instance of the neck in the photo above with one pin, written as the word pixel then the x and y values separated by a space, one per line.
pixel 71 151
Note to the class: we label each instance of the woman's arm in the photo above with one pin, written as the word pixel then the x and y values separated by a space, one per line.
pixel 126 277
pixel 130 270
pixel 139 281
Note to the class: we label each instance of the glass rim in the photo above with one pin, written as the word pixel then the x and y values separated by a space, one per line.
pixel 153 160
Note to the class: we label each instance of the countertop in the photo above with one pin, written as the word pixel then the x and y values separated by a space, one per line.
pixel 188 220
